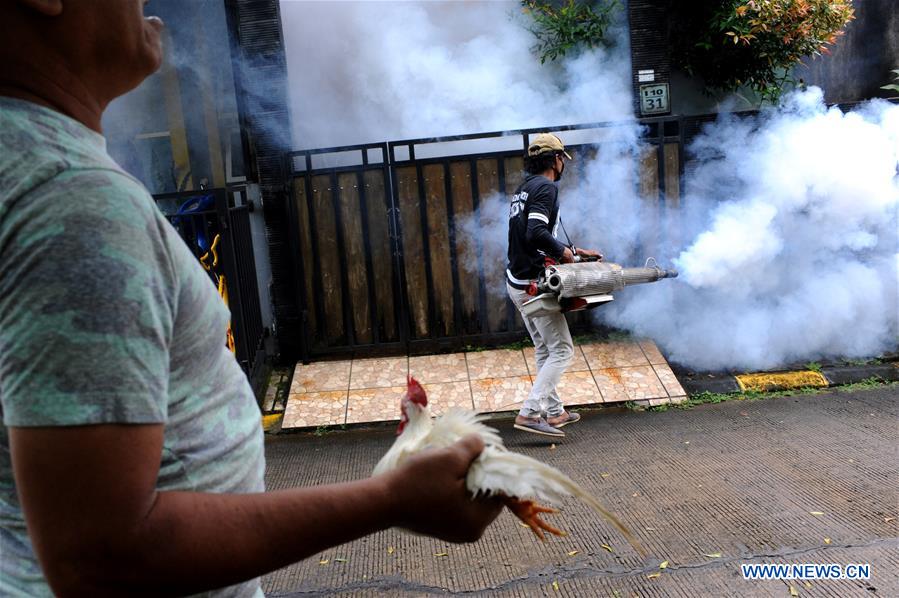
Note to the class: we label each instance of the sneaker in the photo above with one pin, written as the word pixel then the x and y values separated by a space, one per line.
pixel 569 418
pixel 538 426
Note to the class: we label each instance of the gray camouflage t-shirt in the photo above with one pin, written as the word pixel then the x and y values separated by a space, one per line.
pixel 107 317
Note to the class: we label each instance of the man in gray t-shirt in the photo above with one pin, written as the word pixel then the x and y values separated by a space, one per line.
pixel 131 454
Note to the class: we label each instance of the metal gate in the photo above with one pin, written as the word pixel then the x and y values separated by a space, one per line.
pixel 382 266
pixel 200 217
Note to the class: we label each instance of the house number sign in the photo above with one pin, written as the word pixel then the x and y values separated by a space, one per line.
pixel 654 99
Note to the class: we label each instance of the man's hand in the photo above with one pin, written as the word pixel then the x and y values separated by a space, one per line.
pixel 432 497
pixel 567 256
pixel 589 253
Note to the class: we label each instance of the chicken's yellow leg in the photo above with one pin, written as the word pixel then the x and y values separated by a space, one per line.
pixel 529 512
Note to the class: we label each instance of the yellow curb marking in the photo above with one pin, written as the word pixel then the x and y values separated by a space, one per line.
pixel 270 421
pixel 762 382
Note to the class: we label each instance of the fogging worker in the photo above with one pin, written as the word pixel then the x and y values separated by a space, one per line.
pixel 533 223
pixel 131 451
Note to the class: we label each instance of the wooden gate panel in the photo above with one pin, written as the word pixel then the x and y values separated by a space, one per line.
pixel 466 246
pixel 439 248
pixel 494 265
pixel 333 330
pixel 353 248
pixel 309 269
pixel 413 249
pixel 378 207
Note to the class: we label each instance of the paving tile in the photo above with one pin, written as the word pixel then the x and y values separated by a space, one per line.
pixel 629 384
pixel 652 352
pixel 499 363
pixel 611 385
pixel 669 380
pixel 500 394
pixel 374 404
pixel 613 355
pixel 678 400
pixel 315 409
pixel 578 363
pixel 446 395
pixel 429 369
pixel 379 373
pixel 578 388
pixel 320 376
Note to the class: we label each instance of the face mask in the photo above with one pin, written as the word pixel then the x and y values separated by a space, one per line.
pixel 558 173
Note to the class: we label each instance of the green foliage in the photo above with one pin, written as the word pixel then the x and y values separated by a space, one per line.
pixel 516 346
pixel 893 86
pixel 754 43
pixel 866 384
pixel 813 366
pixel 863 361
pixel 561 28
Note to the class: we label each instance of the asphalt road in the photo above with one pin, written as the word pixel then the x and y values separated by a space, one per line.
pixel 800 479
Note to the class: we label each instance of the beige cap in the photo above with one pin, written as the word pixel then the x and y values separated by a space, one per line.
pixel 546 142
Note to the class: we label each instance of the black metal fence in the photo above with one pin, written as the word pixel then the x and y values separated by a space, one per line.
pixel 377 233
pixel 201 217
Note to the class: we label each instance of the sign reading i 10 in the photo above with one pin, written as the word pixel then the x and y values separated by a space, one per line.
pixel 654 99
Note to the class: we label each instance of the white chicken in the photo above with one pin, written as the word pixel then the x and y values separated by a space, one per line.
pixel 519 480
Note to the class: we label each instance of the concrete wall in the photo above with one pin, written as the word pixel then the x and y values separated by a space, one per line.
pixel 861 61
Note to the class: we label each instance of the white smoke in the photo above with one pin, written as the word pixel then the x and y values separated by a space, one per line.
pixel 786 237
pixel 792 254
pixel 378 71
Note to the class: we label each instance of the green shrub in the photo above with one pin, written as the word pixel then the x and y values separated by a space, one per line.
pixel 562 27
pixel 893 86
pixel 754 43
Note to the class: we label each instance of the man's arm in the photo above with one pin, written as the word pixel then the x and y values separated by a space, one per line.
pixel 538 235
pixel 99 527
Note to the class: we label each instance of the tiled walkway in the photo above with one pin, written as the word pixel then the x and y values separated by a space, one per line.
pixel 332 393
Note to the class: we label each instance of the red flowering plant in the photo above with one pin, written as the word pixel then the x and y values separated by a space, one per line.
pixel 755 43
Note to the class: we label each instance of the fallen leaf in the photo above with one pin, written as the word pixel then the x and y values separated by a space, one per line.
pixel 573 552
pixel 852 460
pixel 391 550
pixel 653 575
pixel 827 540
pixel 523 524
pixel 664 565
pixel 808 585
pixel 439 554
pixel 712 555
pixel 603 475
pixel 816 512
pixel 556 586
pixel 340 560
pixel 324 562
pixel 634 495
pixel 687 442
pixel 793 591
pixel 607 547
pixel 744 414
pixel 650 529
pixel 888 519
pixel 552 447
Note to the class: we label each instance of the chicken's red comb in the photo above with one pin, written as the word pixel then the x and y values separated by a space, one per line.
pixel 415 392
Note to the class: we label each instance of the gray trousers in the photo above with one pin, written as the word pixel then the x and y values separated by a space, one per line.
pixel 554 350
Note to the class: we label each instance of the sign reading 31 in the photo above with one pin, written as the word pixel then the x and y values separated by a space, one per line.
pixel 654 99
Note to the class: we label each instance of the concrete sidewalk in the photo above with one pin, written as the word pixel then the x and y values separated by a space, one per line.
pixel 333 393
pixel 799 479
